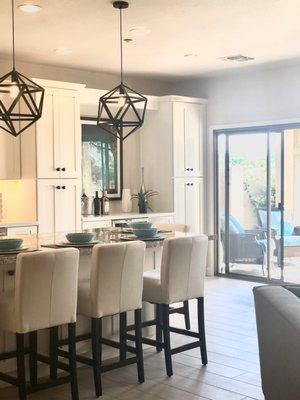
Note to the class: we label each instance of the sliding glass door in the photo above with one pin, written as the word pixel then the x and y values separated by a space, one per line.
pixel 249 203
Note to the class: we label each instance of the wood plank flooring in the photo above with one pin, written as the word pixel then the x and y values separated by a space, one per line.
pixel 231 374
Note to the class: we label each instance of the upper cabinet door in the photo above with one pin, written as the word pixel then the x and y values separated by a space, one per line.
pixel 9 156
pixel 58 135
pixel 69 134
pixel 47 138
pixel 188 135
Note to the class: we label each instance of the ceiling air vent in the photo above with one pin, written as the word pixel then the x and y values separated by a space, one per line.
pixel 236 58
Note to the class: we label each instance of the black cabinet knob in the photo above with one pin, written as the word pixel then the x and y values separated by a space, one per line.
pixel 192 184
pixel 63 187
pixel 57 169
pixel 63 169
pixel 57 187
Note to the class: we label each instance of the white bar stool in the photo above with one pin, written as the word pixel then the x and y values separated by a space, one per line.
pixel 185 306
pixel 115 287
pixel 181 278
pixel 45 296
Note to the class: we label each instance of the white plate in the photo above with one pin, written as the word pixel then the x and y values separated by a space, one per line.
pixel 145 239
pixel 13 251
pixel 69 244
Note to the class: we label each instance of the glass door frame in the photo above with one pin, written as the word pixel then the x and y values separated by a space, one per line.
pixel 268 130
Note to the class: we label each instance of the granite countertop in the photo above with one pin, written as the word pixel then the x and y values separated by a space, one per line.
pixel 105 235
pixel 92 218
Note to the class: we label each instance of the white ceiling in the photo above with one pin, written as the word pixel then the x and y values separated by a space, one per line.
pixel 268 30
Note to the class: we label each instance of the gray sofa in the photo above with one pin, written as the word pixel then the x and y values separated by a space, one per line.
pixel 278 325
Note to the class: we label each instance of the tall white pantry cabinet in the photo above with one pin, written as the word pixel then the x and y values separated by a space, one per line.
pixel 172 158
pixel 51 151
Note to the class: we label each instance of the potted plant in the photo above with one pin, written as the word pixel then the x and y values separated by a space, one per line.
pixel 143 197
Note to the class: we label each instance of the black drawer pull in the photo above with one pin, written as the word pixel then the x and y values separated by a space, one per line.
pixel 63 169
pixel 58 187
pixel 11 273
pixel 63 187
pixel 57 169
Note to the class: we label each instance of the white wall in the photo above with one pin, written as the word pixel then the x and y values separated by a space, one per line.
pixel 248 95
pixel 93 79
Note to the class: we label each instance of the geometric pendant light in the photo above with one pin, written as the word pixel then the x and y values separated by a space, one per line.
pixel 21 99
pixel 121 110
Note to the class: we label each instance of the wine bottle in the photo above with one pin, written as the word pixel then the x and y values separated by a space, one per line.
pixel 104 203
pixel 97 204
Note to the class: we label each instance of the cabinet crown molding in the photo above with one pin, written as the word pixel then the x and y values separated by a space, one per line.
pixel 182 99
pixel 59 84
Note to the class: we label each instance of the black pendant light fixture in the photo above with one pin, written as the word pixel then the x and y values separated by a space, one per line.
pixel 121 110
pixel 21 99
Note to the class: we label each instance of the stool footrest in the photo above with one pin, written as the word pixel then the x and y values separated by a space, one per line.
pixel 47 360
pixel 48 384
pixel 144 325
pixel 185 347
pixel 178 310
pixel 11 354
pixel 79 338
pixel 116 345
pixel 8 379
pixel 184 332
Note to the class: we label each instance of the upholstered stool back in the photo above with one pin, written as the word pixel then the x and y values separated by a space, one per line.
pixel 45 289
pixel 183 268
pixel 116 283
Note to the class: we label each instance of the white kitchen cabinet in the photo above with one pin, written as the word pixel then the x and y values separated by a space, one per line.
pixel 58 135
pixel 22 230
pixel 9 156
pixel 59 208
pixel 188 121
pixel 188 203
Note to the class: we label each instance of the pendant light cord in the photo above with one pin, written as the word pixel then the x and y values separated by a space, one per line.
pixel 13 31
pixel 121 44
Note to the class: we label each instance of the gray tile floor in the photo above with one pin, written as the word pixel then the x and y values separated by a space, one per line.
pixel 231 374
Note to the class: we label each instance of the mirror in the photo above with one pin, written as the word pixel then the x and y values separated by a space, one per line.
pixel 101 160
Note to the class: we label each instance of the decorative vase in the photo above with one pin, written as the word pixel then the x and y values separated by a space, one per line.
pixel 126 201
pixel 143 206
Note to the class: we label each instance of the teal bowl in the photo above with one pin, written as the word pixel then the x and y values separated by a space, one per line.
pixel 10 244
pixel 80 237
pixel 145 233
pixel 141 225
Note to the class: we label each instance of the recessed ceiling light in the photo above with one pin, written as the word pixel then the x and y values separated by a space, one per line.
pixel 30 8
pixel 139 31
pixel 236 58
pixel 63 51
pixel 190 55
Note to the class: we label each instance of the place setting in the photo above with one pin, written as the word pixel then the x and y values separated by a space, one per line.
pixel 76 239
pixel 143 230
pixel 13 246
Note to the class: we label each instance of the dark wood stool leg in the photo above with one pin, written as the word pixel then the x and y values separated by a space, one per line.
pixel 72 360
pixel 201 326
pixel 158 326
pixel 139 344
pixel 33 358
pixel 21 366
pixel 187 315
pixel 167 341
pixel 122 335
pixel 96 348
pixel 53 352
